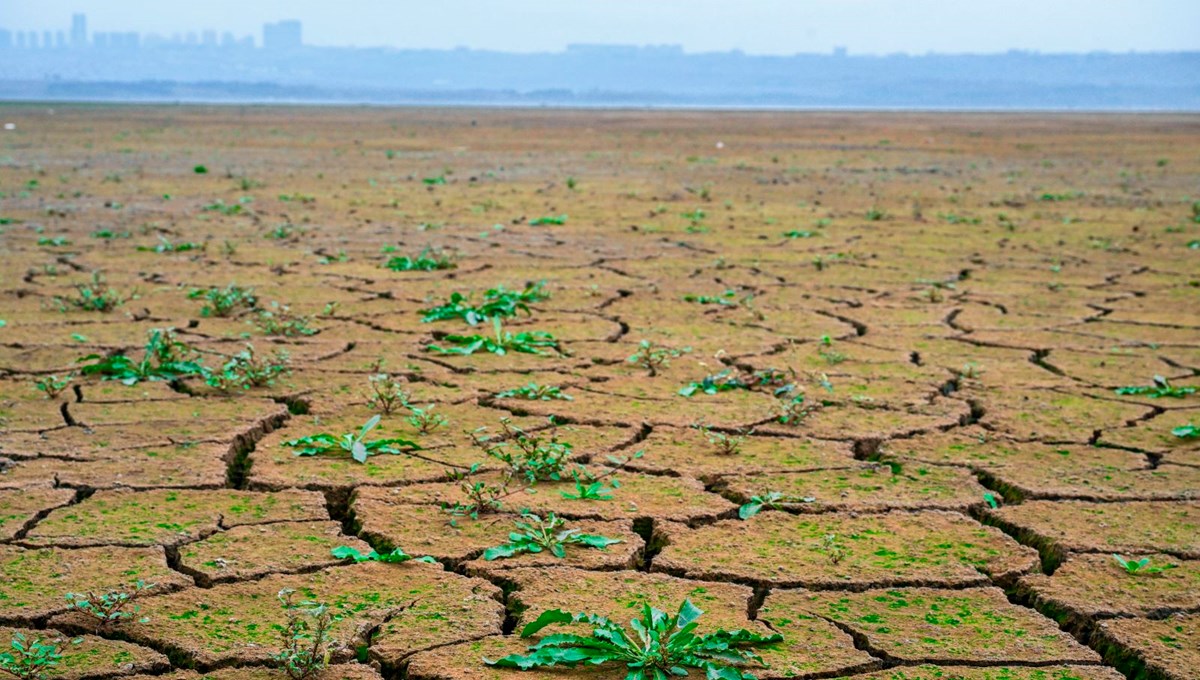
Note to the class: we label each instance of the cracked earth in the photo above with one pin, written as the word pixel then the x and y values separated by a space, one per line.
pixel 958 299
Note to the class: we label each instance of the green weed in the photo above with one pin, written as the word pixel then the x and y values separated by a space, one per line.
pixel 1161 387
pixel 660 647
pixel 1142 566
pixel 356 445
pixel 109 608
pixel 497 303
pixel 535 534
pixel 222 302
pixel 500 343
pixel 652 356
pixel 166 358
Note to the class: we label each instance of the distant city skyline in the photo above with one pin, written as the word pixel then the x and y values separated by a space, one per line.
pixel 754 26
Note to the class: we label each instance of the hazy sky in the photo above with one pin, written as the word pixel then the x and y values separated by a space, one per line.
pixel 756 26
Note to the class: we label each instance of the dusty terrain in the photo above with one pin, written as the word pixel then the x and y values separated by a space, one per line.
pixel 919 326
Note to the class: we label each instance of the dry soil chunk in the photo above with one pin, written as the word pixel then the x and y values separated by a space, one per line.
pixel 169 517
pixel 19 507
pixel 894 549
pixel 339 672
pixel 88 656
pixel 930 672
pixel 690 452
pixel 33 582
pixel 924 625
pixel 235 623
pixel 1095 586
pixel 1081 526
pixel 429 530
pixel 255 550
pixel 1163 649
pixel 869 488
pixel 1051 415
pixel 810 646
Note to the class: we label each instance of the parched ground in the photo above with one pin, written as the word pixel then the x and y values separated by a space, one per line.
pixel 975 310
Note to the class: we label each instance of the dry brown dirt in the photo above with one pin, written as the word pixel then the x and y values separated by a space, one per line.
pixel 958 299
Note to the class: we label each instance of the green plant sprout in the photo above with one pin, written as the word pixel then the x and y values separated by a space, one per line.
pixel 1161 387
pixel 726 444
pixel 355 444
pixel 96 296
pixel 652 356
pixel 1188 431
pixel 223 302
pixel 772 501
pixel 482 497
pixel 832 549
pixel 728 298
pixel 530 456
pixel 557 220
pixel 535 392
pixel 29 660
pixel 500 344
pixel 424 419
pixel 661 646
pixel 595 490
pixel 387 393
pixel 535 534
pixel 247 370
pixel 498 302
pixel 52 385
pixel 165 246
pixel 427 261
pixel 1141 566
pixel 794 410
pixel 109 608
pixel 725 381
pixel 166 358
pixel 396 556
pixel 279 320
pixel 307 644
pixel 800 233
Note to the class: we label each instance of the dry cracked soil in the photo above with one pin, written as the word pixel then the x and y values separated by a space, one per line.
pixel 895 386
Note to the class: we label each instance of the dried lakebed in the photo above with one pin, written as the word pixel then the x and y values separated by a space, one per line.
pixel 893 387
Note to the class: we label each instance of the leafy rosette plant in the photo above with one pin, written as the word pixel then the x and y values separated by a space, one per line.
pixel 356 445
pixel 536 534
pixel 661 646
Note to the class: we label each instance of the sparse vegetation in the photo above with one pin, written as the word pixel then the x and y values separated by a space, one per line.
pixel 535 392
pixel 498 303
pixel 535 534
pixel 501 342
pixel 246 370
pixel 28 659
pixel 165 358
pixel 1160 387
pixel 356 445
pixel 387 393
pixel 223 302
pixel 652 356
pixel 52 385
pixel 662 645
pixel 428 260
pixel 112 607
pixel 528 455
pixel 96 296
pixel 307 641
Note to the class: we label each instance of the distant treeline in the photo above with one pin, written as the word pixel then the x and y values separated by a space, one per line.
pixel 598 76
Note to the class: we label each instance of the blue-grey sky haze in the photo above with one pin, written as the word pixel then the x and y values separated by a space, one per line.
pixel 755 26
